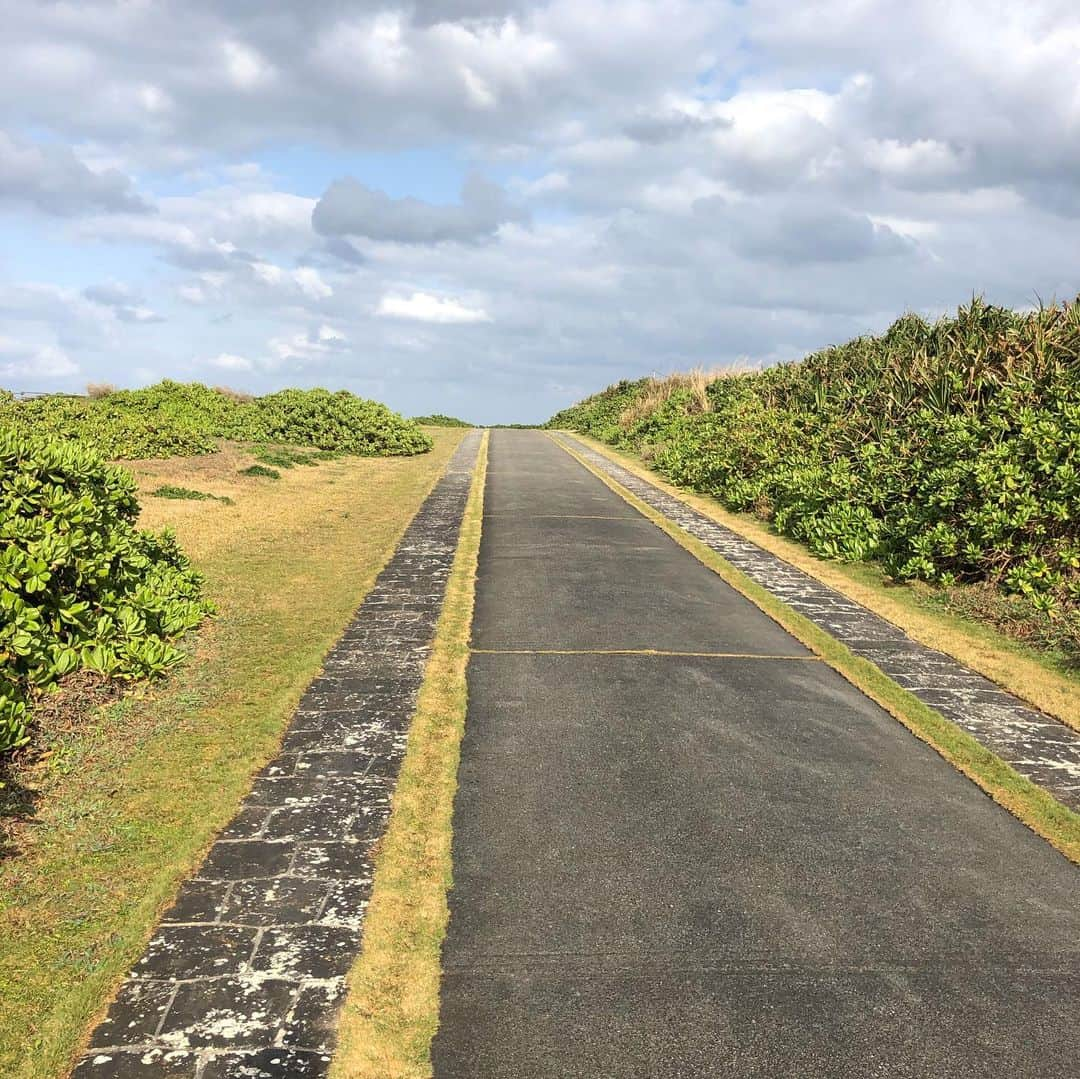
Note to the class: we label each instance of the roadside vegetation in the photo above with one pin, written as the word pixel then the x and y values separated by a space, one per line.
pixel 85 592
pixel 120 797
pixel 181 419
pixel 81 588
pixel 946 453
pixel 170 490
pixel 437 419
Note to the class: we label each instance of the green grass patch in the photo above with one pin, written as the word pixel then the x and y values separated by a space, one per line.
pixel 122 805
pixel 290 457
pixel 169 490
pixel 392 1010
pixel 261 470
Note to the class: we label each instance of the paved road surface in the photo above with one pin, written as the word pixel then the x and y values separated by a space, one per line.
pixel 724 864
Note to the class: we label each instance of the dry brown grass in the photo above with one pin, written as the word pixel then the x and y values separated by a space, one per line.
pixel 234 395
pixel 392 1010
pixel 97 390
pixel 663 387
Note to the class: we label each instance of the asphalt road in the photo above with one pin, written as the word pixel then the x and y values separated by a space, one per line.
pixel 723 864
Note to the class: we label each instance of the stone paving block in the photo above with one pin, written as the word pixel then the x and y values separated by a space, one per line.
pixel 195 951
pixel 135 1014
pixel 309 1024
pixel 198 901
pixel 334 763
pixel 137 1064
pixel 279 901
pixel 373 738
pixel 333 861
pixel 247 824
pixel 346 902
pixel 306 951
pixel 269 1063
pixel 228 1013
pixel 238 859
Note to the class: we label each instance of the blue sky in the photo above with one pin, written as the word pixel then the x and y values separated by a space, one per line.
pixel 492 208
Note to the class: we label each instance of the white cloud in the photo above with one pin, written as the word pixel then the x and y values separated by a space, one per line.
pixel 54 180
pixel 247 70
pixel 423 307
pixel 22 360
pixel 227 361
pixel 310 282
pixel 702 180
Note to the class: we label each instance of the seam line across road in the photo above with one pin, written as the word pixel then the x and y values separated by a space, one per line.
pixel 631 652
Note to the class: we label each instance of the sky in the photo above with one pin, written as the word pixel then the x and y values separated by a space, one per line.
pixel 492 208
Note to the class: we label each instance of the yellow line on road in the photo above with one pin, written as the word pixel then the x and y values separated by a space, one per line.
pixel 631 652
pixel 562 516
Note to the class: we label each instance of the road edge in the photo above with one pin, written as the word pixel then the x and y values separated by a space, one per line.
pixel 390 1015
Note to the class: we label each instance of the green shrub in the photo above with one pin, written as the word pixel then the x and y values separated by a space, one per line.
pixel 175 419
pixel 121 425
pixel 337 421
pixel 437 419
pixel 947 451
pixel 80 586
pixel 261 470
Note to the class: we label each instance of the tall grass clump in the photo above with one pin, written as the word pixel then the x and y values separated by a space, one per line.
pixel 947 451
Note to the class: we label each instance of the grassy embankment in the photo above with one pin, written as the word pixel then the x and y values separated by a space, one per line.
pixel 392 1010
pixel 122 805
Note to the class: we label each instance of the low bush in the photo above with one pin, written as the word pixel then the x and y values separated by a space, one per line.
pixel 437 419
pixel 336 421
pixel 947 451
pixel 176 419
pixel 81 588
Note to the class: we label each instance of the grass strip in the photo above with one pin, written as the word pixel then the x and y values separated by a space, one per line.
pixel 1026 673
pixel 125 803
pixel 392 1011
pixel 1025 800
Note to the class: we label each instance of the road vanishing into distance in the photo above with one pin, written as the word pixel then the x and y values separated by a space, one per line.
pixel 683 846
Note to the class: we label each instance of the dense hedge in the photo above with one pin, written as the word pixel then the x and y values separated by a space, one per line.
pixel 948 451
pixel 175 419
pixel 80 586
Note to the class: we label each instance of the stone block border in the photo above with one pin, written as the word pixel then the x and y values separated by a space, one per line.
pixel 245 974
pixel 1036 745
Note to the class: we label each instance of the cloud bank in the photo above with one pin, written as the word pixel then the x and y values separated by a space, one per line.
pixel 493 207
